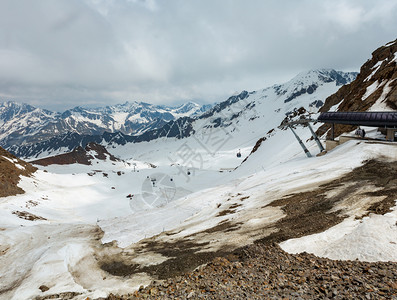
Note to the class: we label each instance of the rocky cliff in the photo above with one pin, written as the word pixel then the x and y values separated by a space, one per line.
pixel 374 89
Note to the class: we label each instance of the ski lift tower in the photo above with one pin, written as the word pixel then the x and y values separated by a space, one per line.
pixel 303 122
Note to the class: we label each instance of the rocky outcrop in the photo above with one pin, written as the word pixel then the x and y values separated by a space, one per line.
pixel 11 170
pixel 221 106
pixel 79 155
pixel 267 272
pixel 375 87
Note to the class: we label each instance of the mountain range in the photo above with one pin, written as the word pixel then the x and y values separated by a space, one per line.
pixel 23 124
pixel 33 133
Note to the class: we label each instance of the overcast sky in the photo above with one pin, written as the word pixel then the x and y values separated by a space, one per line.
pixel 57 54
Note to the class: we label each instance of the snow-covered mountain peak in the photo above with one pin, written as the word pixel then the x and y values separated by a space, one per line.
pixel 127 106
pixel 187 107
pixel 320 76
pixel 10 109
pixel 309 81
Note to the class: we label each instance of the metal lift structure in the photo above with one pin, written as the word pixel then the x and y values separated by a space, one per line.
pixel 385 119
pixel 314 135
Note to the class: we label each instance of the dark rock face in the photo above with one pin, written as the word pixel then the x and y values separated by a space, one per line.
pixel 316 104
pixel 67 141
pixel 309 90
pixel 179 129
pixel 221 106
pixel 383 68
pixel 376 83
pixel 334 76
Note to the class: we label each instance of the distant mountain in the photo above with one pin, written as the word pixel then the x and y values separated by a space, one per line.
pixel 374 89
pixel 308 89
pixel 179 128
pixel 23 124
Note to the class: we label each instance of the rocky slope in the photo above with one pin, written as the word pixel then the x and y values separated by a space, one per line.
pixel 374 89
pixel 79 155
pixel 11 168
pixel 267 272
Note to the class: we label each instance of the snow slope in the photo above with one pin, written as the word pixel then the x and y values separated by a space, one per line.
pixel 62 248
pixel 82 213
pixel 222 131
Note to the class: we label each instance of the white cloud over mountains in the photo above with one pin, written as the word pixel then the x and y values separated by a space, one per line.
pixel 58 54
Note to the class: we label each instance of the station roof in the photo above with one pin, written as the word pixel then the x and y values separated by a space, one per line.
pixel 373 118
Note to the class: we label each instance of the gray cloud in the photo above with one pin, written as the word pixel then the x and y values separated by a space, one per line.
pixel 58 54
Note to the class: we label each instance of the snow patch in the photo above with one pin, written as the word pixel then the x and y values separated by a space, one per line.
pixel 380 104
pixel 370 89
pixel 374 238
pixel 20 167
pixel 10 160
pixel 395 58
pixel 336 106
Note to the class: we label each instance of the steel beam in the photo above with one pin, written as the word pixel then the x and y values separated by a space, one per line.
pixel 316 138
pixel 308 154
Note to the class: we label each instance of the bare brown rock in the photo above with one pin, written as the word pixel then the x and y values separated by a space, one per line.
pixel 79 155
pixel 11 168
pixel 267 272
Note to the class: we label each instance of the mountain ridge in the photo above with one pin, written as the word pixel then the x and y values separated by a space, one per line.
pixel 23 124
pixel 221 115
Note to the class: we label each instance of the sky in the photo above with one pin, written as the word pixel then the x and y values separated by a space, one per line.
pixel 58 54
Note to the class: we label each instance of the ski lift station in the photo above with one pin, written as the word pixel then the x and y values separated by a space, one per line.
pixel 385 121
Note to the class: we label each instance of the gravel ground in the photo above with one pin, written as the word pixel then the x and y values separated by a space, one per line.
pixel 259 271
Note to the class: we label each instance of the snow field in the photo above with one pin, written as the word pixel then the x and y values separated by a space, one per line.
pixel 86 206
